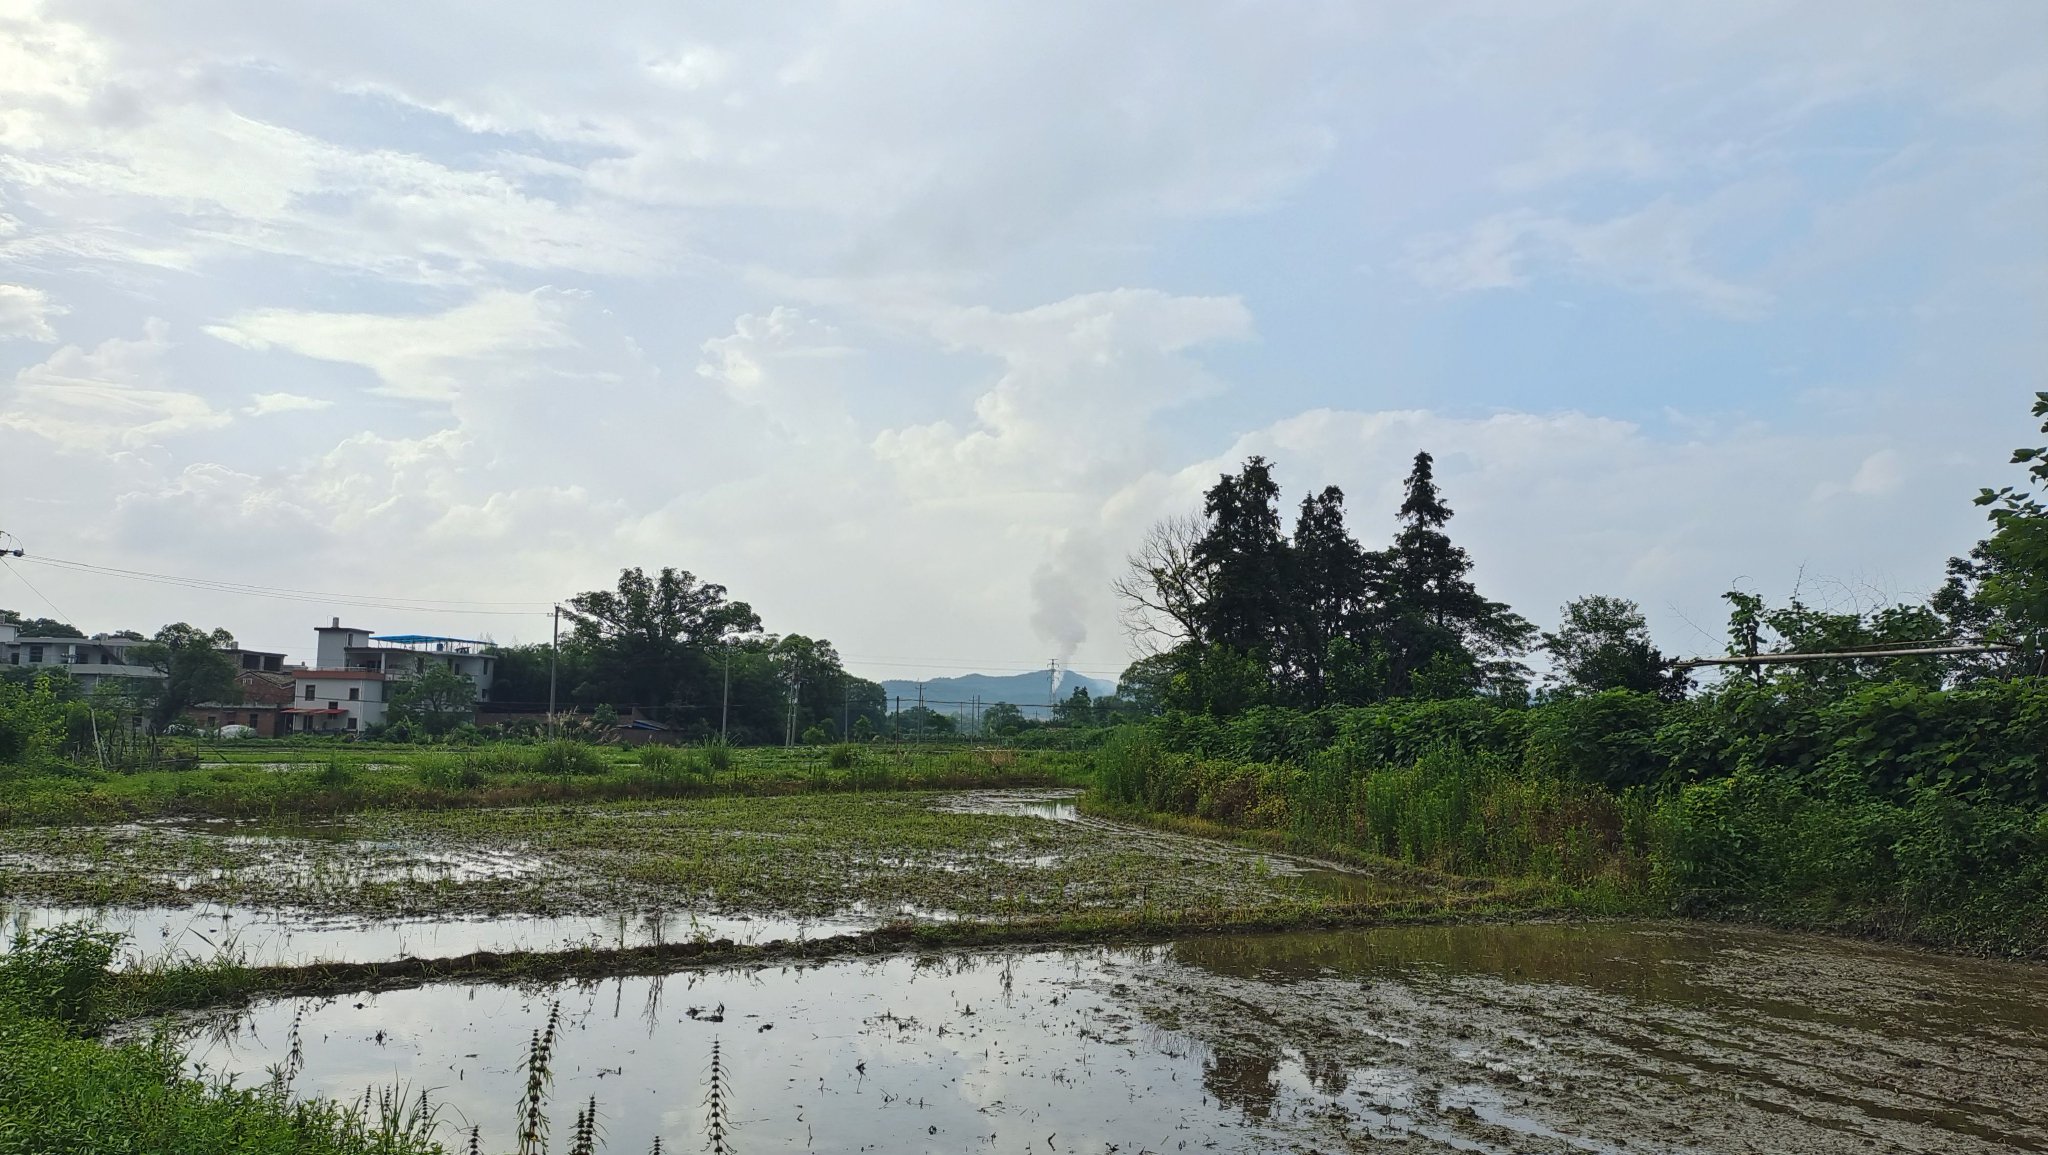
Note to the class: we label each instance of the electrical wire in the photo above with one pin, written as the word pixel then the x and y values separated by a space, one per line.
pixel 283 593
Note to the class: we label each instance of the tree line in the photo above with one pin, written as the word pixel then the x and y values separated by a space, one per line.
pixel 683 652
pixel 1241 611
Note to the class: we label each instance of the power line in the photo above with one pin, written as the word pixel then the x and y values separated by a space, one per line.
pixel 282 593
pixel 23 579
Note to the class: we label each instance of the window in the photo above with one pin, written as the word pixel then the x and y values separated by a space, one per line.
pixel 334 705
pixel 309 691
pixel 351 722
pixel 106 657
pixel 35 653
pixel 355 693
pixel 212 721
pixel 252 719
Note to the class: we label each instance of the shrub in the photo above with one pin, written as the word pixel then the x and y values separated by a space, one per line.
pixel 564 757
pixel 842 757
pixel 668 763
pixel 59 973
pixel 1125 765
pixel 717 755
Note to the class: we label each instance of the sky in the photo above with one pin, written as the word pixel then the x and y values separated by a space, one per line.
pixel 904 320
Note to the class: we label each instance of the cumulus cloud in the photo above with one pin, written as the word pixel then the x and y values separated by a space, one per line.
pixel 1080 379
pixel 25 313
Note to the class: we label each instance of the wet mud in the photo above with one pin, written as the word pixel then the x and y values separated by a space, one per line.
pixel 1558 1037
pixel 437 885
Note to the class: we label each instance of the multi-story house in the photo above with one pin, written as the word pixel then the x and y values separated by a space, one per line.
pixel 347 688
pixel 89 661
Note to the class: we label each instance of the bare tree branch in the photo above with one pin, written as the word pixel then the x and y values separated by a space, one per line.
pixel 1162 589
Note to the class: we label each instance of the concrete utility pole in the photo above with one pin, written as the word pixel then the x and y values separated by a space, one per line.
pixel 846 714
pixel 554 650
pixel 725 698
pixel 1052 685
pixel 920 711
pixel 789 735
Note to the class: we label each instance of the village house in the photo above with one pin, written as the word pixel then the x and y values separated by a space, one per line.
pixel 347 688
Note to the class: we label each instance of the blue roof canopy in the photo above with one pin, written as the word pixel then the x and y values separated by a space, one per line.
pixel 419 639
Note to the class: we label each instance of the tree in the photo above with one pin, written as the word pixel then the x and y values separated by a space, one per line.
pixel 1242 561
pixel 1144 683
pixel 1329 589
pixel 1999 593
pixel 193 667
pixel 1432 608
pixel 1164 589
pixel 435 700
pixel 40 627
pixel 1003 720
pixel 1077 710
pixel 650 640
pixel 1754 627
pixel 1604 643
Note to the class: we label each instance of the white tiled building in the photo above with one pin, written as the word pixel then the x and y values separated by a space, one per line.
pixel 346 689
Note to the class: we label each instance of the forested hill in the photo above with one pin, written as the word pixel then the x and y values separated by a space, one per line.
pixel 1024 691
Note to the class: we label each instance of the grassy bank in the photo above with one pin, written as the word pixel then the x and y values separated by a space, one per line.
pixel 62 1090
pixel 286 779
pixel 1897 813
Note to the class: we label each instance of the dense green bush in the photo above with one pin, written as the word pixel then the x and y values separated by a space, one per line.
pixel 1892 807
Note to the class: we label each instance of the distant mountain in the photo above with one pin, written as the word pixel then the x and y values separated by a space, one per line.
pixel 1027 692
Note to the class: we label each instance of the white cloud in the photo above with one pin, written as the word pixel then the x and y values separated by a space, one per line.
pixel 265 404
pixel 785 364
pixel 1655 248
pixel 110 397
pixel 25 313
pixel 427 357
pixel 1081 377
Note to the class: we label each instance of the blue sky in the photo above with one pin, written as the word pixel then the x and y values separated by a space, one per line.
pixel 905 320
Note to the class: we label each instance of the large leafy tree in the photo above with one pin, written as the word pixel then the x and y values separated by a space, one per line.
pixel 193 667
pixel 1444 638
pixel 437 699
pixel 1999 593
pixel 1603 643
pixel 1756 627
pixel 651 640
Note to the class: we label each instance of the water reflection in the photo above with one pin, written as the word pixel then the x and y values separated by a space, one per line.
pixel 1488 1038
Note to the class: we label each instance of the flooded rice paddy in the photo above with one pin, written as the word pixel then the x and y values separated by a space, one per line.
pixel 372 887
pixel 1568 1038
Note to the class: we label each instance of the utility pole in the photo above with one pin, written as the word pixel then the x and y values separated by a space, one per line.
pixel 554 650
pixel 725 699
pixel 846 713
pixel 920 711
pixel 1052 685
pixel 795 689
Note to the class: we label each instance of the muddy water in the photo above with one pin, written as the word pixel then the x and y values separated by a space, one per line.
pixel 258 936
pixel 1480 1038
